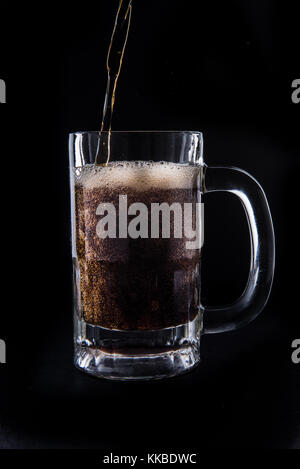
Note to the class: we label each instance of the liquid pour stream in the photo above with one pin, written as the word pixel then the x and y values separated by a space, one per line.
pixel 113 64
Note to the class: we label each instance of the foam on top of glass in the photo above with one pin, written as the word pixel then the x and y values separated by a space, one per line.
pixel 138 175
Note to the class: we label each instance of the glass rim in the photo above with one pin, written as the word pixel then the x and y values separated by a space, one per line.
pixel 115 132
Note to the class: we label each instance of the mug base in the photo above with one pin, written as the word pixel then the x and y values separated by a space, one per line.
pixel 137 355
pixel 135 367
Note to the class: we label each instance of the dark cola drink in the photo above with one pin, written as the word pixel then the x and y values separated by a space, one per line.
pixel 135 277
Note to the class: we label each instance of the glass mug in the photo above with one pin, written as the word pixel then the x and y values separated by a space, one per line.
pixel 137 236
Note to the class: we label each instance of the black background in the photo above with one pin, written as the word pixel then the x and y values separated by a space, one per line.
pixel 224 68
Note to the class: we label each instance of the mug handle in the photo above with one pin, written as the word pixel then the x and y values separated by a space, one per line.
pixel 262 262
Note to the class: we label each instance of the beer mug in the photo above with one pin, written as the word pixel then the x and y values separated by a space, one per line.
pixel 137 238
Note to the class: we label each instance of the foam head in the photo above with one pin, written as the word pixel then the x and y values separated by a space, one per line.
pixel 139 176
